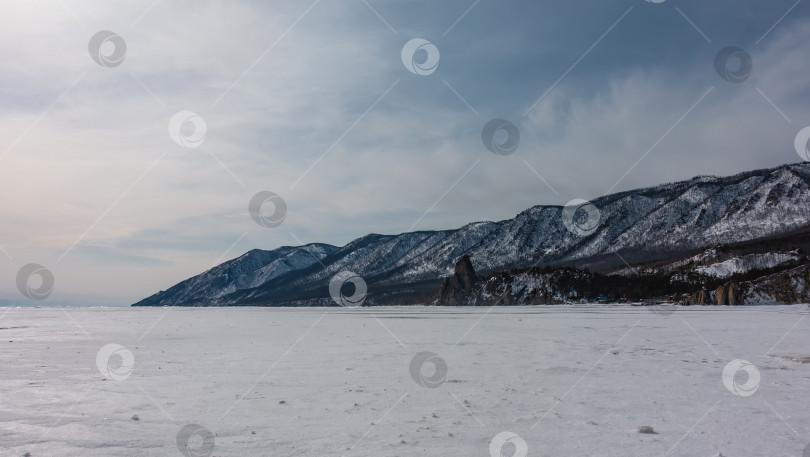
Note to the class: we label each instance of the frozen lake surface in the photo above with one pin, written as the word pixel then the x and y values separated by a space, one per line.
pixel 566 381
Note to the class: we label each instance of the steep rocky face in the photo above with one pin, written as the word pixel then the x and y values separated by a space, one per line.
pixel 727 294
pixel 731 293
pixel 465 273
pixel 720 296
pixel 455 289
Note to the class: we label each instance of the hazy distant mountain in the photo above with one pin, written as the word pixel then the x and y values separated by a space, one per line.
pixel 641 225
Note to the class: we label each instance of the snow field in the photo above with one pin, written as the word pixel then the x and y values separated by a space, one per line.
pixel 523 381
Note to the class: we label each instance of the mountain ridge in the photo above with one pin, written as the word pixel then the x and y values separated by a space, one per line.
pixel 637 224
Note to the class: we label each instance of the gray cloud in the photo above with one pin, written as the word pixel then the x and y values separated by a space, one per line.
pixel 99 168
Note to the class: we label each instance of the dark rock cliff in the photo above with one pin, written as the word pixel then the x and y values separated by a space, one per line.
pixel 456 289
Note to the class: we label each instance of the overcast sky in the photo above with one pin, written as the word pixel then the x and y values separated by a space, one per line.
pixel 313 101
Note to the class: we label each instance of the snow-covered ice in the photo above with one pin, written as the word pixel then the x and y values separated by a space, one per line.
pixel 567 381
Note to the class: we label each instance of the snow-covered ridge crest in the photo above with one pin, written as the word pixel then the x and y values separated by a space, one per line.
pixel 678 217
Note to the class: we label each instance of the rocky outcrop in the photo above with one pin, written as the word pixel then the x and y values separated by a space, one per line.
pixel 549 286
pixel 789 287
pixel 528 287
pixel 720 296
pixel 456 289
pixel 700 297
pixel 465 273
pixel 732 293
pixel 727 294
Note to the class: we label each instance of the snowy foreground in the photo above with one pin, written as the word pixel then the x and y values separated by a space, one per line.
pixel 561 381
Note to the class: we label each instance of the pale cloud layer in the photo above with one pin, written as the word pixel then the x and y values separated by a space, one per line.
pixel 96 190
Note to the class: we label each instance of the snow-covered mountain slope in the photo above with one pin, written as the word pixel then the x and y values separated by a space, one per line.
pixel 678 217
pixel 746 263
pixel 248 271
